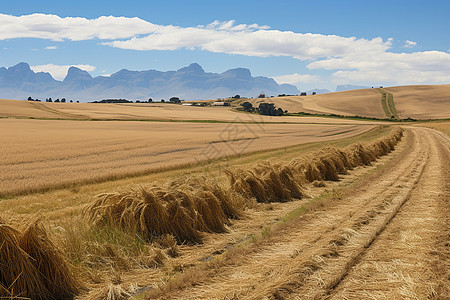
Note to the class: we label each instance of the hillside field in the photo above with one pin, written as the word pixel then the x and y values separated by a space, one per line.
pixel 422 101
pixel 415 101
pixel 138 112
pixel 163 201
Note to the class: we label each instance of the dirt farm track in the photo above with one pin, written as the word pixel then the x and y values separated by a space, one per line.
pixel 388 239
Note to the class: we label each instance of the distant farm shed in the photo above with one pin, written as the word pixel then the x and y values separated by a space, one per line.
pixel 221 103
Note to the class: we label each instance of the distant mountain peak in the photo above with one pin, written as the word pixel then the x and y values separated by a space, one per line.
pixel 20 67
pixel 239 72
pixel 188 83
pixel 75 73
pixel 192 68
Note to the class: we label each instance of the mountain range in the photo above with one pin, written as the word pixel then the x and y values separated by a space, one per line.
pixel 188 83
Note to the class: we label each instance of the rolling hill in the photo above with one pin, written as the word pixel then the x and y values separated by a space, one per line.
pixel 422 101
pixel 415 101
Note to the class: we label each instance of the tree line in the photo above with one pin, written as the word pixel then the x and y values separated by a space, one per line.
pixel 267 109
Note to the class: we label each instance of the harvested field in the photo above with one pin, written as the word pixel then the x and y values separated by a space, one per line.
pixel 348 247
pixel 366 102
pixel 443 127
pixel 39 154
pixel 415 101
pixel 269 236
pixel 185 208
pixel 237 209
pixel 422 101
pixel 137 111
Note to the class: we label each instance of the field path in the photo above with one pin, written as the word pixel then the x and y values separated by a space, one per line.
pixel 387 238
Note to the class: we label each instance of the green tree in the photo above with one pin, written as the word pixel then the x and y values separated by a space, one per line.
pixel 247 106
pixel 269 109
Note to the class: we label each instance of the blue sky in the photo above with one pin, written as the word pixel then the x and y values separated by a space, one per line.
pixel 307 43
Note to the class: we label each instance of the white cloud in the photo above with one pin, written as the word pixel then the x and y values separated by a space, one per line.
pixel 353 59
pixel 230 26
pixel 409 44
pixel 52 27
pixel 221 37
pixel 51 48
pixel 105 74
pixel 399 68
pixel 60 71
pixel 262 43
pixel 296 78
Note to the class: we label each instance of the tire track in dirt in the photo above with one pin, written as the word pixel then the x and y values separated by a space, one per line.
pixel 58 113
pixel 294 259
pixel 416 265
pixel 323 268
pixel 354 245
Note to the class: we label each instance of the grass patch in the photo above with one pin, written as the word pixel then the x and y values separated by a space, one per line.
pixel 387 102
pixel 384 104
pixel 390 101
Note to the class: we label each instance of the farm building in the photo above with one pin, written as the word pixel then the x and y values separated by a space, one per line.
pixel 221 103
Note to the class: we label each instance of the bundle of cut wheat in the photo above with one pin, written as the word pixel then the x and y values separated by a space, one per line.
pixel 31 266
pixel 183 208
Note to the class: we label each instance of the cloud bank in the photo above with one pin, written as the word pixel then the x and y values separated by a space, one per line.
pixel 296 78
pixel 351 58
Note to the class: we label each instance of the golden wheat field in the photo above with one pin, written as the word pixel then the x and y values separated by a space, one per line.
pixel 422 101
pixel 350 103
pixel 415 101
pixel 443 127
pixel 137 111
pixel 151 201
pixel 41 154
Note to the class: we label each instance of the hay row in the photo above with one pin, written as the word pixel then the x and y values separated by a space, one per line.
pixel 182 208
pixel 281 183
pixel 186 208
pixel 329 163
pixel 31 267
pixel 266 183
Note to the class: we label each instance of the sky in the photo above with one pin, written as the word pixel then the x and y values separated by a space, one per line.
pixel 311 44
